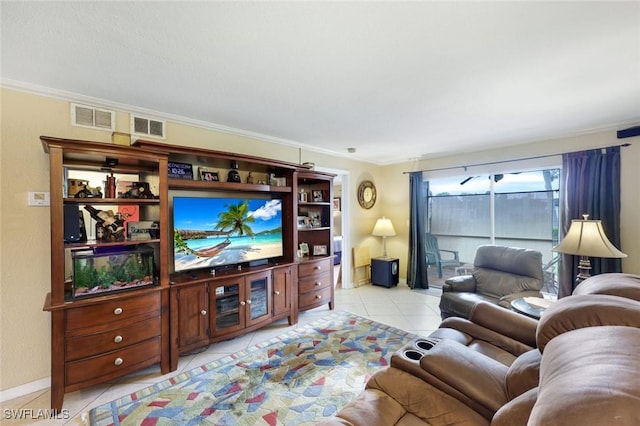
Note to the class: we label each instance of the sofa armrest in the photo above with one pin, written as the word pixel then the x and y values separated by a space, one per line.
pixel 466 375
pixel 479 332
pixel 505 322
pixel 462 283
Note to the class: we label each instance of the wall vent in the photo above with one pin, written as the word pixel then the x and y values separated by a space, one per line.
pixel 95 118
pixel 148 127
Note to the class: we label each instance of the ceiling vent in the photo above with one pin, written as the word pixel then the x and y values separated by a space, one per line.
pixel 95 118
pixel 148 127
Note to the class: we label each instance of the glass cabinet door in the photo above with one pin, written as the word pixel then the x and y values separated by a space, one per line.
pixel 259 300
pixel 227 306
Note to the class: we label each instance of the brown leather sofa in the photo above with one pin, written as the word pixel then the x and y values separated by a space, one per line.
pixel 583 370
pixel 500 275
pixel 503 335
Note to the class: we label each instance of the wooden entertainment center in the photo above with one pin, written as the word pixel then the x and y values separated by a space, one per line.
pixel 114 326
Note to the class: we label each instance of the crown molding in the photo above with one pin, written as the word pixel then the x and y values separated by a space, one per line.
pixel 107 104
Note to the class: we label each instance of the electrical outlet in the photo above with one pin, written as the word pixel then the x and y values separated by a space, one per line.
pixel 38 199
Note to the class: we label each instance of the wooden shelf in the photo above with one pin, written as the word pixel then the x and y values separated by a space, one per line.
pixel 111 201
pixel 199 185
pixel 94 243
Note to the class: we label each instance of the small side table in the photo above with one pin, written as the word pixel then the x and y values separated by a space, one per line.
pixel 384 271
pixel 528 309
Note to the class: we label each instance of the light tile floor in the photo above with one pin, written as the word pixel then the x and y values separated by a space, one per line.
pixel 411 310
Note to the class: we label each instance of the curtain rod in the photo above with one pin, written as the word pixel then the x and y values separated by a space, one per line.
pixel 510 161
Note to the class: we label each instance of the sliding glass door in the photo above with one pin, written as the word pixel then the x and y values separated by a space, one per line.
pixel 513 209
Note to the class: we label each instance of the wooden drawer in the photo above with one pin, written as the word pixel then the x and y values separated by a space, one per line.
pixel 319 297
pixel 115 310
pixel 314 282
pixel 315 267
pixel 111 340
pixel 113 364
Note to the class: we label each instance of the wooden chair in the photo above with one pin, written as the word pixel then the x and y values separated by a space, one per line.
pixel 362 266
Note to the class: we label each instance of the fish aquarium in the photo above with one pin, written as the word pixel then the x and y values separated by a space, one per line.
pixel 96 272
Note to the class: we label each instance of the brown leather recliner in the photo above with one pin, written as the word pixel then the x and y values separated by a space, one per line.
pixel 500 275
pixel 583 372
pixel 504 335
pixel 496 332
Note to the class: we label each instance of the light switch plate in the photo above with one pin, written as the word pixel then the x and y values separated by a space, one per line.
pixel 38 199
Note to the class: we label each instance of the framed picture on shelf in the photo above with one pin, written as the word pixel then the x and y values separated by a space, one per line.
pixel 316 195
pixel 303 222
pixel 304 249
pixel 319 250
pixel 336 204
pixel 209 175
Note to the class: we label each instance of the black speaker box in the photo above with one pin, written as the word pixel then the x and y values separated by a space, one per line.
pixel 72 220
pixel 384 271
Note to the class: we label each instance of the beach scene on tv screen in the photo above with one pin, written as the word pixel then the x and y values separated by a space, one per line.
pixel 211 232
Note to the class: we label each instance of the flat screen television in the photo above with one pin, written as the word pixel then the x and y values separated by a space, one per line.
pixel 210 232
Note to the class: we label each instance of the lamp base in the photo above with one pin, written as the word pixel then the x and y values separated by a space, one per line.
pixel 584 266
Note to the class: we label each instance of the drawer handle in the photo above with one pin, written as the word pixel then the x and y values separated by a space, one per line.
pixel 317 268
pixel 318 283
pixel 242 303
pixel 203 312
pixel 117 311
pixel 319 297
pixel 249 302
pixel 277 293
pixel 117 339
pixel 118 361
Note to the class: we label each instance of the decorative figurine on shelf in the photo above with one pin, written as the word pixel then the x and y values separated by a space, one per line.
pixel 109 226
pixel 139 190
pixel 89 192
pixel 250 178
pixel 302 196
pixel 233 175
pixel 111 187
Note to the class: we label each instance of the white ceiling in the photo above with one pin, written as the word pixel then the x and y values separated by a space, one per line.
pixel 395 80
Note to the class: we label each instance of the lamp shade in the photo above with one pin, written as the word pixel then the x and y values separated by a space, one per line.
pixel 587 238
pixel 383 228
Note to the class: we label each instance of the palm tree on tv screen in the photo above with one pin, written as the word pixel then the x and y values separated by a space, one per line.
pixel 236 220
pixel 233 221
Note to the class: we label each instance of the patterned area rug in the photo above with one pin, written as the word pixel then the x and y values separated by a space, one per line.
pixel 295 379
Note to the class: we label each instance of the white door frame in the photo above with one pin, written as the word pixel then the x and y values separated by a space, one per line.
pixel 344 216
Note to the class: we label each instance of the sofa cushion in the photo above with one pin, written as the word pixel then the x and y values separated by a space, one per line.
pixel 590 376
pixel 422 400
pixel 574 312
pixel 523 373
pixel 371 407
pixel 497 284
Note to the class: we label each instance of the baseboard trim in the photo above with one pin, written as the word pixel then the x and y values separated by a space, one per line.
pixel 26 389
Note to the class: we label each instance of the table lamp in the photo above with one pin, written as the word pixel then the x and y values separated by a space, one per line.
pixel 587 238
pixel 384 229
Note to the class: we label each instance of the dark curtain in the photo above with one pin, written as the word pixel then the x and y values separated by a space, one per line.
pixel 590 185
pixel 417 267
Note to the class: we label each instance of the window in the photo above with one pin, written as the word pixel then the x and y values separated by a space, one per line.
pixel 514 209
